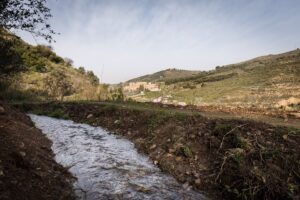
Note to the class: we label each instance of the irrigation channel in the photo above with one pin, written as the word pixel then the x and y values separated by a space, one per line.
pixel 108 166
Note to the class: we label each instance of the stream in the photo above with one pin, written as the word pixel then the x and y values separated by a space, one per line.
pixel 108 166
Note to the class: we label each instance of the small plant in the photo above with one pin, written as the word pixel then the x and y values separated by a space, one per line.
pixel 180 116
pixel 187 152
pixel 59 114
pixel 237 158
pixel 109 108
pixel 221 129
pixel 155 120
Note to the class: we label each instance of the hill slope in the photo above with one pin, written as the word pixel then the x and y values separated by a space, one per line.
pixel 27 68
pixel 265 81
pixel 165 75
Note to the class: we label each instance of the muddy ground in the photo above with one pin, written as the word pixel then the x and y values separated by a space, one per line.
pixel 27 166
pixel 229 159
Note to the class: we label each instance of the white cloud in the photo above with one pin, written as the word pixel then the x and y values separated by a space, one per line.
pixel 135 37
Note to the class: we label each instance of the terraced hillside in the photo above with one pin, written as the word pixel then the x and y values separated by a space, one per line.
pixel 165 75
pixel 267 81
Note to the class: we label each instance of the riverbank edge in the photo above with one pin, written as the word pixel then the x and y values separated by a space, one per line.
pixel 28 169
pixel 228 159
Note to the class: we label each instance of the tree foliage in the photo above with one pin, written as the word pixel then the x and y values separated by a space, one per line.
pixel 93 78
pixel 68 61
pixel 58 85
pixel 27 15
pixel 10 60
pixel 81 70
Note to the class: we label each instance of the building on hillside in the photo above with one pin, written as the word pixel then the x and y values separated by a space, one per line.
pixel 135 86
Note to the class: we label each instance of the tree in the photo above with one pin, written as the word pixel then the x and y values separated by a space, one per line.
pixel 26 15
pixel 68 61
pixel 93 78
pixel 58 85
pixel 141 88
pixel 10 60
pixel 102 92
pixel 81 70
pixel 117 94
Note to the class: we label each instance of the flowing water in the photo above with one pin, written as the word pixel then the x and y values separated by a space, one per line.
pixel 107 166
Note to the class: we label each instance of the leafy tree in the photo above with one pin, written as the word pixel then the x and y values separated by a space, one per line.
pixel 117 94
pixel 68 61
pixel 10 60
pixel 102 92
pixel 141 88
pixel 81 70
pixel 93 78
pixel 58 84
pixel 26 15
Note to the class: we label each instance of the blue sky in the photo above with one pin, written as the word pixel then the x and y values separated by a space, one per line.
pixel 123 39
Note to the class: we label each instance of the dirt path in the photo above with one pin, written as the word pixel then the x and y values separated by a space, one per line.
pixel 27 167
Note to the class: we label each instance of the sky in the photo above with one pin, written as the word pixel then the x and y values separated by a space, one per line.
pixel 123 39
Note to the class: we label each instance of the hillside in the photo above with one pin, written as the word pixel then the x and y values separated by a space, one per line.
pixel 267 81
pixel 37 73
pixel 165 75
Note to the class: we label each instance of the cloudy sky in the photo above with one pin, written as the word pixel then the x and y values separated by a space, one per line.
pixel 122 39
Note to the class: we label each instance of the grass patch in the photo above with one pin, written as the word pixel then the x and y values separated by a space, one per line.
pixel 57 113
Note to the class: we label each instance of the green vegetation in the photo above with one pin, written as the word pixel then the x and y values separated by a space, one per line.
pixel 57 113
pixel 165 75
pixel 261 82
pixel 58 85
pixel 36 73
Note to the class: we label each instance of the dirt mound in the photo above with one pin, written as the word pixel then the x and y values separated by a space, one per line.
pixel 27 166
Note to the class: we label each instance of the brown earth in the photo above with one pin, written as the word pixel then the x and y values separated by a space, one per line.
pixel 276 116
pixel 28 170
pixel 229 159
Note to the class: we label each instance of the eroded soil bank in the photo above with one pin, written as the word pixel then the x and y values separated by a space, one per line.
pixel 28 170
pixel 230 159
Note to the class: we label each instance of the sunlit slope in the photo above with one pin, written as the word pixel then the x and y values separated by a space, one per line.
pixel 38 62
pixel 261 82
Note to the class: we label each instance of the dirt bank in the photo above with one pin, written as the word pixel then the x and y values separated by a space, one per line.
pixel 230 159
pixel 27 167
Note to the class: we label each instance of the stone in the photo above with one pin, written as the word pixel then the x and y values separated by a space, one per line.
pixel 178 158
pixel 22 145
pixel 153 146
pixel 155 162
pixel 89 116
pixel 23 154
pixel 171 150
pixel 185 185
pixel 169 155
pixel 2 110
pixel 196 174
pixel 198 181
